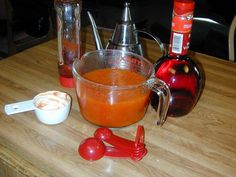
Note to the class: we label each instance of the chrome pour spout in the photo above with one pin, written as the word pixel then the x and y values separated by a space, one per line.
pixel 95 32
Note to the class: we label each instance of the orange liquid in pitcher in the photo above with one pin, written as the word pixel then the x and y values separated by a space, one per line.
pixel 113 108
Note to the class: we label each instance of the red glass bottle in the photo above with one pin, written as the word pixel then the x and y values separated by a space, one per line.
pixel 179 71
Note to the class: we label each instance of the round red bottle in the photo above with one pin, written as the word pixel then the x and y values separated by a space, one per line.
pixel 179 71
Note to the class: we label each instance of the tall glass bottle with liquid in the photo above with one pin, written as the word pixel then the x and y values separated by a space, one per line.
pixel 177 69
pixel 68 33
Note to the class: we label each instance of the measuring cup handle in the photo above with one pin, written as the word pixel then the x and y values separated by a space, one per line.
pixel 157 39
pixel 163 91
pixel 19 107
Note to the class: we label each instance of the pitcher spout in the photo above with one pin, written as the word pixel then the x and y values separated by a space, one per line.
pixel 95 32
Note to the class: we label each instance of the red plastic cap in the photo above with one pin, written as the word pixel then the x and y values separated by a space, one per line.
pixel 183 6
pixel 67 82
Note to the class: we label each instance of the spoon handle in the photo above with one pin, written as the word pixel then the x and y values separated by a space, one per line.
pixel 114 152
pixel 19 107
pixel 139 139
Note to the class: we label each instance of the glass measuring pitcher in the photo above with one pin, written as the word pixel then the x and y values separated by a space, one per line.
pixel 113 88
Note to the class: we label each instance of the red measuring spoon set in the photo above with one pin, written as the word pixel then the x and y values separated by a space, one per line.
pixel 94 148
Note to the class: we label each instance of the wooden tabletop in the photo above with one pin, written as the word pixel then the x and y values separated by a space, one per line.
pixel 202 143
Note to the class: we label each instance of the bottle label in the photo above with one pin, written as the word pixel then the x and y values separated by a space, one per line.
pixel 182 23
pixel 177 43
pixel 180 36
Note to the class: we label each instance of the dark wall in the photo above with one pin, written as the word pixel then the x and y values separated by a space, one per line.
pixel 31 16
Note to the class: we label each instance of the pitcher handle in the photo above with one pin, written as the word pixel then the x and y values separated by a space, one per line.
pixel 157 39
pixel 163 92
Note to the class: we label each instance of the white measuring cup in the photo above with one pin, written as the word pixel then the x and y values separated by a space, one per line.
pixel 51 107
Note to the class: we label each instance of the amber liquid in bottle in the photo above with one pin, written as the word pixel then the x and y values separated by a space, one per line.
pixel 179 71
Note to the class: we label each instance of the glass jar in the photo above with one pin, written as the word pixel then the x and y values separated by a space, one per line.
pixel 68 33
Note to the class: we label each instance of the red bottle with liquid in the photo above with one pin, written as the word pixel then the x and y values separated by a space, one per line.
pixel 179 71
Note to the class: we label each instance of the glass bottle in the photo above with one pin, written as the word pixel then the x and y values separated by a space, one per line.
pixel 68 33
pixel 177 69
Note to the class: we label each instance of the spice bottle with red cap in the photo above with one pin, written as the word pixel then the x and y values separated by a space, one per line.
pixel 68 34
pixel 176 68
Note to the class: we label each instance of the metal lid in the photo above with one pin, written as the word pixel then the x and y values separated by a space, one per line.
pixel 124 32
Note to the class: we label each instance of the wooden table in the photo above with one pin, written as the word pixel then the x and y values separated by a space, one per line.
pixel 203 143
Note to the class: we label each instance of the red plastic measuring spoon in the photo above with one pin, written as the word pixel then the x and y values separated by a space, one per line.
pixel 106 135
pixel 94 149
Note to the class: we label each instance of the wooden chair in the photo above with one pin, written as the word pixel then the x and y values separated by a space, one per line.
pixel 231 39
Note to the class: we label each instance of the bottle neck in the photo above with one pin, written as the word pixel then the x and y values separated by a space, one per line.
pixel 181 26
